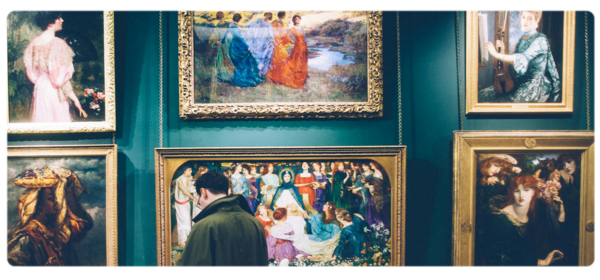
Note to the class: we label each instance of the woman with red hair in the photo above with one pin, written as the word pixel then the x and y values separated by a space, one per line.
pixel 510 235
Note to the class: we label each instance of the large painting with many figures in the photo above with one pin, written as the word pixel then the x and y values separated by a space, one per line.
pixel 280 64
pixel 329 195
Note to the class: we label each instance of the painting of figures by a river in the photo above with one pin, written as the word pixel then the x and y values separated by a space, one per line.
pixel 280 56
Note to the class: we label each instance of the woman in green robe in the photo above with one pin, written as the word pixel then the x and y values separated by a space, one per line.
pixel 536 76
pixel 510 232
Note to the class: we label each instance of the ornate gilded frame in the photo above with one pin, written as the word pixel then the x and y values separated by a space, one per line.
pixel 468 143
pixel 167 160
pixel 110 153
pixel 280 110
pixel 567 75
pixel 110 119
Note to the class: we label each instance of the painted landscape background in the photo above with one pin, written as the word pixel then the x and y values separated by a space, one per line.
pixel 337 59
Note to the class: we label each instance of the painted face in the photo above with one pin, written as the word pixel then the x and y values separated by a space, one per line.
pixel 316 167
pixel 523 195
pixel 528 21
pixel 49 204
pixel 570 167
pixel 296 20
pixel 262 168
pixel 305 166
pixel 372 166
pixel 287 178
pixel 494 169
pixel 253 170
pixel 57 25
pixel 365 167
pixel 271 168
pixel 187 172
pixel 262 210
pixel 245 171
pixel 238 169
pixel 332 166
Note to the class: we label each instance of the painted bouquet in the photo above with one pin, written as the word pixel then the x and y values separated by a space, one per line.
pixel 549 188
pixel 93 102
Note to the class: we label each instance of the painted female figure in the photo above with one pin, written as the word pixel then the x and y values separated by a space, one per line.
pixel 352 237
pixel 570 179
pixel 246 68
pixel 510 237
pixel 49 65
pixel 359 180
pixel 306 182
pixel 341 182
pixel 293 71
pixel 268 182
pixel 239 183
pixel 324 226
pixel 537 78
pixel 265 217
pixel 287 193
pixel 223 66
pixel 320 187
pixel 252 202
pixel 380 195
pixel 280 240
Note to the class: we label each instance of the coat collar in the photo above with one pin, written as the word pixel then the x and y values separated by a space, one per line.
pixel 228 201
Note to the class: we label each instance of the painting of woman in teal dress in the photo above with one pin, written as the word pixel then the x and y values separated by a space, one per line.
pixel 532 65
pixel 246 73
pixel 223 67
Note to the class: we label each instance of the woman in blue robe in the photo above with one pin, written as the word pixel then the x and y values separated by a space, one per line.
pixel 324 226
pixel 246 72
pixel 287 193
pixel 352 237
pixel 259 36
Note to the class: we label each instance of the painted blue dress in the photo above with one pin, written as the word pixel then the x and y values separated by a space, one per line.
pixel 535 74
pixel 268 179
pixel 239 183
pixel 352 240
pixel 246 69
pixel 320 230
pixel 259 36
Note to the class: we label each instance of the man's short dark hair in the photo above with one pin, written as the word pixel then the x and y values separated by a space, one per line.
pixel 215 182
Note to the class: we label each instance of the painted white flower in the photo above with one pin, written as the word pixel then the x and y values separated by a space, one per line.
pixel 386 232
pixel 284 262
pixel 367 229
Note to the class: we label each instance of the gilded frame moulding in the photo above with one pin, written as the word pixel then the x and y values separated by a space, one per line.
pixel 109 152
pixel 468 144
pixel 110 119
pixel 188 109
pixel 168 160
pixel 473 106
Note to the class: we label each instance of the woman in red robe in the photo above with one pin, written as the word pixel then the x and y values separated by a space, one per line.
pixel 293 70
pixel 305 182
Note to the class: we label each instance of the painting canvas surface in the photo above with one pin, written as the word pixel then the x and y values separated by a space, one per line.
pixel 280 56
pixel 86 249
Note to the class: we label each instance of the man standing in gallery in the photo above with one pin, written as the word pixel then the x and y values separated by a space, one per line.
pixel 225 233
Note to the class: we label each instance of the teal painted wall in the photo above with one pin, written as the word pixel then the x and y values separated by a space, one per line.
pixel 430 112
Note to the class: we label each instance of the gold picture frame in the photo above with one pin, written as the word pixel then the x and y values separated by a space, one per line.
pixel 189 109
pixel 169 160
pixel 102 113
pixel 101 153
pixel 481 73
pixel 468 145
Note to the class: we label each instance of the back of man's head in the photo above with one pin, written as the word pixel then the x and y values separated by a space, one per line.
pixel 215 182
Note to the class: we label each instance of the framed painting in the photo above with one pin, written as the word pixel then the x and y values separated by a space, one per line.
pixel 62 205
pixel 61 72
pixel 523 198
pixel 280 64
pixel 520 61
pixel 367 182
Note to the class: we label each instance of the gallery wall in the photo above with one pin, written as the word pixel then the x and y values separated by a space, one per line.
pixel 430 113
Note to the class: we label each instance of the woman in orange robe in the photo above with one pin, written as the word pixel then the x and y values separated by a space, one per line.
pixel 293 70
pixel 305 182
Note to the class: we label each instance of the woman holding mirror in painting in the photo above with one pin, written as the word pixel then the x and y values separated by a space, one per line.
pixel 535 74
